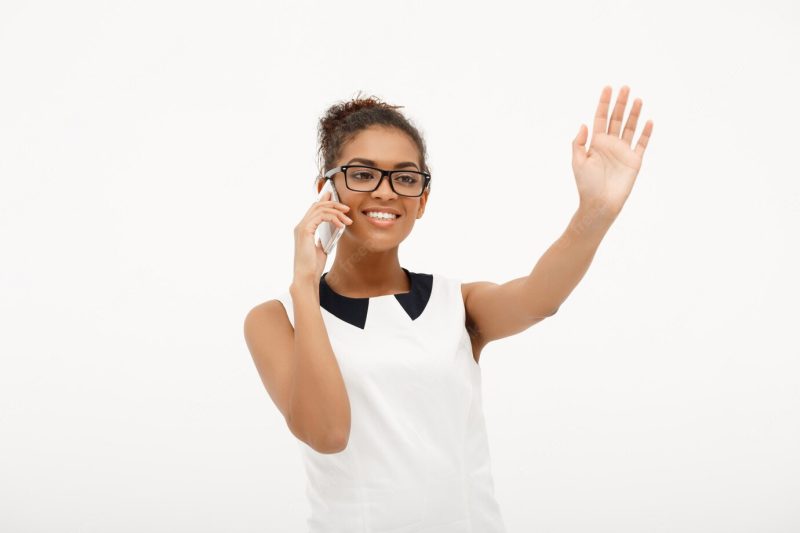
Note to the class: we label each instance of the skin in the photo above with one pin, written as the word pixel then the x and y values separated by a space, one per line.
pixel 367 261
pixel 298 366
pixel 605 173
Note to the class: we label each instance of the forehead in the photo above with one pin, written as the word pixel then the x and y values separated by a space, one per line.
pixel 385 146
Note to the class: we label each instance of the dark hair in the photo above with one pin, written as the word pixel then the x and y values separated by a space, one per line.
pixel 343 120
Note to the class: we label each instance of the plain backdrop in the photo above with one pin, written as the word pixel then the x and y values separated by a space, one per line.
pixel 156 156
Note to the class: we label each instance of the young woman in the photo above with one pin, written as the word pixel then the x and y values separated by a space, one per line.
pixel 375 367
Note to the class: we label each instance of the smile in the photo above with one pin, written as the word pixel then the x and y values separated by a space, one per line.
pixel 382 220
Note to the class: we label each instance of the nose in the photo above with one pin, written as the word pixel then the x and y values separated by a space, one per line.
pixel 384 189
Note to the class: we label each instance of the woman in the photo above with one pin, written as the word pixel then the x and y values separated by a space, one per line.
pixel 375 367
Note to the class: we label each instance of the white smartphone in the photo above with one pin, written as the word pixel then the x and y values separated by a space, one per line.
pixel 327 232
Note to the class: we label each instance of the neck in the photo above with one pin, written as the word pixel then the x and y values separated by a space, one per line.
pixel 365 274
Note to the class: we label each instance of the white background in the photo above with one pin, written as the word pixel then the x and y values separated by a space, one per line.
pixel 155 157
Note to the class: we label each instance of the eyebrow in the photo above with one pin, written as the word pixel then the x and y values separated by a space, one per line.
pixel 372 163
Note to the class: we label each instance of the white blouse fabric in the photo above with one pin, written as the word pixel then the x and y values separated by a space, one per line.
pixel 417 459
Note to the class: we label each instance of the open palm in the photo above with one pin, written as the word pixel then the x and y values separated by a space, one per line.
pixel 606 172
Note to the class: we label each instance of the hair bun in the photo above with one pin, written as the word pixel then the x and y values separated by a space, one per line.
pixel 345 119
pixel 338 112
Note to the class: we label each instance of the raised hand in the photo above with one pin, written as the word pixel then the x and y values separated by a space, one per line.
pixel 606 172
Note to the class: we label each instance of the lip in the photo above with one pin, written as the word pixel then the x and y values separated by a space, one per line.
pixel 382 223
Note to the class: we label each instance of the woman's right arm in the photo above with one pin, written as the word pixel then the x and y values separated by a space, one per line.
pixel 297 365
pixel 299 370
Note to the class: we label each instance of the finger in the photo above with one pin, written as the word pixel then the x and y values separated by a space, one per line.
pixel 337 217
pixel 330 204
pixel 343 217
pixel 601 115
pixel 327 200
pixel 633 118
pixel 619 111
pixel 312 221
pixel 337 213
pixel 337 205
pixel 319 247
pixel 325 196
pixel 579 145
pixel 323 217
pixel 644 138
pixel 336 220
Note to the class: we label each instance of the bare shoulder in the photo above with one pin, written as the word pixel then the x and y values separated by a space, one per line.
pixel 269 314
pixel 470 288
pixel 467 288
pixel 270 338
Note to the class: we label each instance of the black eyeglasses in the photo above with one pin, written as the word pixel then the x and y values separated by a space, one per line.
pixel 361 178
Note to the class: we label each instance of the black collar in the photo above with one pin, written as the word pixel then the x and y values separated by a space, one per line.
pixel 354 310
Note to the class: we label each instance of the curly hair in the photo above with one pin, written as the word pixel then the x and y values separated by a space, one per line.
pixel 343 120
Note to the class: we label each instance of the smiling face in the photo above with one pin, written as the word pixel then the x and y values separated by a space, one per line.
pixel 386 148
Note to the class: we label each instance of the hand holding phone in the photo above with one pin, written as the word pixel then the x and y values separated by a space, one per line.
pixel 328 233
pixel 320 227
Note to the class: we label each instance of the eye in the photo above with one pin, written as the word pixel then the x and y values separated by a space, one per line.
pixel 407 179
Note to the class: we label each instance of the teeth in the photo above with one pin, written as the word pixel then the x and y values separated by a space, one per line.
pixel 383 216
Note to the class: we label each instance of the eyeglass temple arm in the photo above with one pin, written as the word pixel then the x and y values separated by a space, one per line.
pixel 331 172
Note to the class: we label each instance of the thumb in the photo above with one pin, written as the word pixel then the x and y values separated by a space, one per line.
pixel 318 243
pixel 579 145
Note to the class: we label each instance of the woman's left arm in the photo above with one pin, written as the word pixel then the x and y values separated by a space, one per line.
pixel 604 175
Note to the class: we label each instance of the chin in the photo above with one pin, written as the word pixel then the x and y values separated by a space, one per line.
pixel 379 243
pixel 376 241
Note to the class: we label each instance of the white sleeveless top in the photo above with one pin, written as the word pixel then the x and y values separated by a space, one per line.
pixel 417 459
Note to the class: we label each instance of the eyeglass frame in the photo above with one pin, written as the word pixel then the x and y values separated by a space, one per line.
pixel 384 173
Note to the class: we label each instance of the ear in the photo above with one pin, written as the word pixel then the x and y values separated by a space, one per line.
pixel 422 201
pixel 319 183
